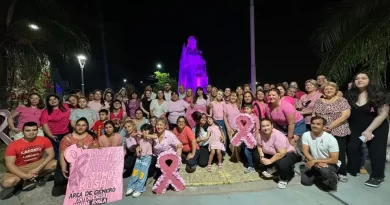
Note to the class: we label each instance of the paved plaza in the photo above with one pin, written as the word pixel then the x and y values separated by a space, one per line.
pixel 231 186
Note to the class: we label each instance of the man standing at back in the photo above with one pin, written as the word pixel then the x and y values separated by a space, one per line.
pixel 24 161
pixel 322 152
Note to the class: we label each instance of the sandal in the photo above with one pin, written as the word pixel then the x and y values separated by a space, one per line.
pixel 209 168
pixel 219 166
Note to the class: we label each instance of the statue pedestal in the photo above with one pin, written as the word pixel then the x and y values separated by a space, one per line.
pixel 201 81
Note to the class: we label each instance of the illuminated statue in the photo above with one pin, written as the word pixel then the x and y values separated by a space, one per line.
pixel 192 72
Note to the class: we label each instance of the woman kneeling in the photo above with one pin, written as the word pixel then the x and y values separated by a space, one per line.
pixel 276 153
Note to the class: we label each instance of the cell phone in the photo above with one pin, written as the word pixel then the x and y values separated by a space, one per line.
pixel 363 138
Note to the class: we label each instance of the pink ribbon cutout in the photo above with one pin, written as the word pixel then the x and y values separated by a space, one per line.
pixel 170 174
pixel 245 124
pixel 76 175
pixel 6 139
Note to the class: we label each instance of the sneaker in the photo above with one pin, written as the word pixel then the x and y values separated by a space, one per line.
pixel 58 191
pixel 363 170
pixel 343 178
pixel 6 193
pixel 269 173
pixel 372 182
pixel 266 174
pixel 136 194
pixel 282 184
pixel 129 191
pixel 249 170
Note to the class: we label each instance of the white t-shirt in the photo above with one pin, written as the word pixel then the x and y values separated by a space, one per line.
pixel 158 110
pixel 167 95
pixel 320 147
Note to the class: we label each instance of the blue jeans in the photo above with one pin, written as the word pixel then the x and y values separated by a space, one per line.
pixel 222 124
pixel 122 133
pixel 249 156
pixel 194 160
pixel 140 174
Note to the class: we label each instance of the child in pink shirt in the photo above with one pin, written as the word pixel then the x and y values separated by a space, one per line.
pixel 216 110
pixel 144 153
pixel 248 109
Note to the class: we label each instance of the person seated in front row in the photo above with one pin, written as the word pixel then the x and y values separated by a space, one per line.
pixel 25 162
pixel 276 153
pixel 322 152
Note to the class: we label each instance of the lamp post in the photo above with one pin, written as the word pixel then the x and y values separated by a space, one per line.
pixel 159 66
pixel 252 34
pixel 82 59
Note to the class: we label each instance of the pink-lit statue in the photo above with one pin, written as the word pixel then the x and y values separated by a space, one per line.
pixel 192 72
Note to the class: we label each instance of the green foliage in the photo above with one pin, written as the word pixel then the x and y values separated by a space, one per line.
pixel 163 78
pixel 353 38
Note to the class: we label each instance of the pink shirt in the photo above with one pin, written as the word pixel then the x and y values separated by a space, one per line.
pixel 279 115
pixel 231 111
pixel 176 109
pixel 262 108
pixel 131 143
pixel 309 106
pixel 115 140
pixel 276 142
pixel 168 143
pixel 28 114
pixel 57 121
pixel 146 146
pixel 218 110
pixel 97 106
pixel 289 100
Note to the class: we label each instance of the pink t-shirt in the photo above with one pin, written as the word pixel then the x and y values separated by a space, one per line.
pixel 131 143
pixel 168 143
pixel 277 141
pixel 97 106
pixel 218 110
pixel 57 121
pixel 176 109
pixel 28 114
pixel 289 100
pixel 114 141
pixel 262 108
pixel 231 111
pixel 309 101
pixel 279 115
pixel 146 146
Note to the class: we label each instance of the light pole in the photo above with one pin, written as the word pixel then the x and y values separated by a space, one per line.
pixel 33 27
pixel 159 66
pixel 82 59
pixel 252 34
pixel 124 81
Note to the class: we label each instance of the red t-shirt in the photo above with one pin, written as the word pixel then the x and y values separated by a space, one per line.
pixel 98 128
pixel 185 137
pixel 28 152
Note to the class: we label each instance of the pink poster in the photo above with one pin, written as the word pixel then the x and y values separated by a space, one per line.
pixel 95 175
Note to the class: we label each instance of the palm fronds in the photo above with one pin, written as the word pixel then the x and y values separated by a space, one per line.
pixel 355 37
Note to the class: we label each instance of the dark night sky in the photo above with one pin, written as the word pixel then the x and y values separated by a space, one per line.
pixel 141 34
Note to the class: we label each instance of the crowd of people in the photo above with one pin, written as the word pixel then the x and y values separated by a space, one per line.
pixel 330 131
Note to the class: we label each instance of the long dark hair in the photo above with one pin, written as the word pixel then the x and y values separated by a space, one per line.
pixel 197 116
pixel 50 108
pixel 40 105
pixel 376 95
pixel 94 135
pixel 101 99
pixel 196 94
pixel 243 101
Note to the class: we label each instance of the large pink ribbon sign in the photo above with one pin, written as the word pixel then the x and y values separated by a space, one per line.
pixel 170 174
pixel 245 124
pixel 95 175
pixel 6 139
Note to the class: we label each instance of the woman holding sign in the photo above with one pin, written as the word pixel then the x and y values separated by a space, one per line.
pixel 81 137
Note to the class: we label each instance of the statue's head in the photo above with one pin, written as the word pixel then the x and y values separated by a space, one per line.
pixel 191 43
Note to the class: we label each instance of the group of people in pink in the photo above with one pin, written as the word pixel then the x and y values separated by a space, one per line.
pixel 330 131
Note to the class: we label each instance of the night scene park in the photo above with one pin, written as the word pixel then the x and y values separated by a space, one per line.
pixel 203 102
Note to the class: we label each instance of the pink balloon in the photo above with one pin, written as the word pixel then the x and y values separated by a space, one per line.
pixel 170 174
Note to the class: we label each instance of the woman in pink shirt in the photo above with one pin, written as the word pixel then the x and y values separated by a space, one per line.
pixel 110 138
pixel 166 141
pixel 306 103
pixel 285 97
pixel 98 103
pixel 29 113
pixel 230 112
pixel 261 101
pixel 285 117
pixel 249 99
pixel 275 151
pixel 176 108
pixel 55 121
pixel 133 105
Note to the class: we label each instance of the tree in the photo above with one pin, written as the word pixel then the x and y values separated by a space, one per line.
pixel 355 37
pixel 32 34
pixel 163 78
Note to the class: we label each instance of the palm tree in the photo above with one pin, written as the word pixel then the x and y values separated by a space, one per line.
pixel 32 33
pixel 355 36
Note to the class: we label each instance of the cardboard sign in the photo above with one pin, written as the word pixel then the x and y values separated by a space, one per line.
pixel 95 175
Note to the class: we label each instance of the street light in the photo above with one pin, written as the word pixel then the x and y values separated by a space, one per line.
pixel 159 66
pixel 82 59
pixel 124 80
pixel 33 27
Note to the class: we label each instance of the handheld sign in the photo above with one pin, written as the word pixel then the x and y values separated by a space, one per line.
pixel 245 124
pixel 95 175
